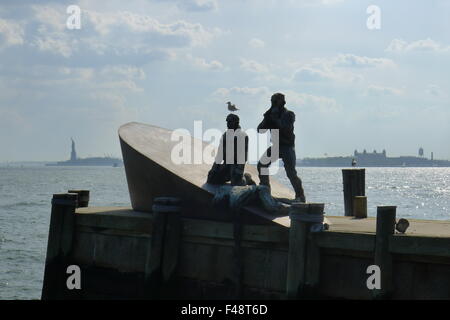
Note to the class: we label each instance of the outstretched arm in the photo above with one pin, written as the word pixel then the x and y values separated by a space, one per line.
pixel 262 127
pixel 265 124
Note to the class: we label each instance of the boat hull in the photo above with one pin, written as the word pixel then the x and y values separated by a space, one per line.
pixel 151 172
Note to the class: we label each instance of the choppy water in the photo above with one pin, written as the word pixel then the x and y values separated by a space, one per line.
pixel 25 195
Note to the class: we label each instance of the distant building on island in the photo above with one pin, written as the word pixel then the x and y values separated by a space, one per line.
pixel 94 161
pixel 374 159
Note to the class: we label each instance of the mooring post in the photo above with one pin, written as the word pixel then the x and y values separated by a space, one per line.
pixel 83 197
pixel 383 258
pixel 162 258
pixel 360 207
pixel 303 216
pixel 60 239
pixel 354 181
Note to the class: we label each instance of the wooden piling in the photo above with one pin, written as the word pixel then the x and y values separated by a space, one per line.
pixel 162 258
pixel 303 216
pixel 60 240
pixel 383 258
pixel 83 198
pixel 360 207
pixel 354 181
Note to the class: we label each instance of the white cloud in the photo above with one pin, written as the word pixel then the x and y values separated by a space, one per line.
pixel 425 45
pixel 310 3
pixel 311 103
pixel 195 5
pixel 170 34
pixel 224 92
pixel 309 74
pixel 203 64
pixel 343 68
pixel 54 18
pixel 113 36
pixel 330 1
pixel 354 61
pixel 11 33
pixel 123 71
pixel 119 78
pixel 199 5
pixel 256 43
pixel 127 85
pixel 55 42
pixel 253 66
pixel 51 33
pixel 374 90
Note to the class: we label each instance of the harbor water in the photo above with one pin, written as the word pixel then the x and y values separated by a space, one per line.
pixel 25 196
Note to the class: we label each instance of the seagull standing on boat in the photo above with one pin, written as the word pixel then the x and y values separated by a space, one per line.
pixel 231 107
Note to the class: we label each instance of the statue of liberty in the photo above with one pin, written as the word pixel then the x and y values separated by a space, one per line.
pixel 73 154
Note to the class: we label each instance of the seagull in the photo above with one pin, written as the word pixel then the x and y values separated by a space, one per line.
pixel 231 107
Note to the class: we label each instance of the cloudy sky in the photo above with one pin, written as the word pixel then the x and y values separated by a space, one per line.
pixel 171 62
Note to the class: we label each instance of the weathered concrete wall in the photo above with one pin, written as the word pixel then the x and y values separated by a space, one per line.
pixel 112 245
pixel 206 261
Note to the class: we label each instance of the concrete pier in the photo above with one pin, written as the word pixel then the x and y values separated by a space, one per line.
pixel 111 245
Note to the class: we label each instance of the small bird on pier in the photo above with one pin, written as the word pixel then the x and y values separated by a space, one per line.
pixel 231 107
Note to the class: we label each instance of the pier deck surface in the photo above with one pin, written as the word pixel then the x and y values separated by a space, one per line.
pixel 341 224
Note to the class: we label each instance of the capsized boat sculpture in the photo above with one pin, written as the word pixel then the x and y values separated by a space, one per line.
pixel 151 173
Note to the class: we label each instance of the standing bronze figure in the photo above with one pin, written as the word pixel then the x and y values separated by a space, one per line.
pixel 281 119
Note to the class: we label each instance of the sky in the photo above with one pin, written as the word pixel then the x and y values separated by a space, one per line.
pixel 172 62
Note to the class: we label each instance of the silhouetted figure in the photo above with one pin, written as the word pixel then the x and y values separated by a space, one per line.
pixel 278 117
pixel 353 162
pixel 231 156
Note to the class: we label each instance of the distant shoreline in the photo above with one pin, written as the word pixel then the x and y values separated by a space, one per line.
pixel 31 164
pixel 46 164
pixel 373 160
